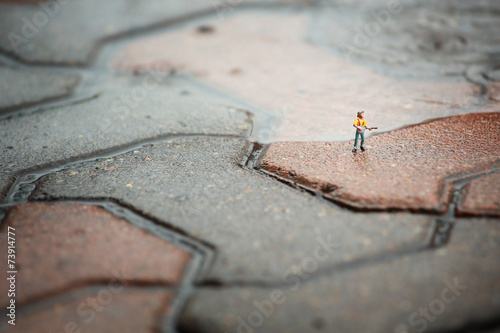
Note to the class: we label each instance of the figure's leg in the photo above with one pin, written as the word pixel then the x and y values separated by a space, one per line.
pixel 356 140
pixel 362 139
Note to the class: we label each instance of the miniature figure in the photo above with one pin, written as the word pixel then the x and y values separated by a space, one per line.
pixel 361 125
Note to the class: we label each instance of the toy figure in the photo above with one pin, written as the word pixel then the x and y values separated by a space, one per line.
pixel 361 125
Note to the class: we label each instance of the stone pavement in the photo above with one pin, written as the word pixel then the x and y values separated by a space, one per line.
pixel 175 166
pixel 243 55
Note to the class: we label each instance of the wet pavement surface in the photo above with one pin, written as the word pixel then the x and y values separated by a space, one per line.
pixel 173 166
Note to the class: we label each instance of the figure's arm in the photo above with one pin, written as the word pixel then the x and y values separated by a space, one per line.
pixel 356 126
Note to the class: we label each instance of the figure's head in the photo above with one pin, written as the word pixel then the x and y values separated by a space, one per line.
pixel 361 114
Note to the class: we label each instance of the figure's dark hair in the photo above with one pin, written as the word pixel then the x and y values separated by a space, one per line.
pixel 360 112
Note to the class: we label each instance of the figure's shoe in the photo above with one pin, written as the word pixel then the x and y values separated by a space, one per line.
pixel 362 149
pixel 353 150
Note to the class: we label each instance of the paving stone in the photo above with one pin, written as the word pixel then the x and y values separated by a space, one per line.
pixel 418 38
pixel 481 197
pixel 47 33
pixel 20 88
pixel 124 113
pixel 63 246
pixel 258 227
pixel 264 59
pixel 403 169
pixel 456 285
pixel 127 310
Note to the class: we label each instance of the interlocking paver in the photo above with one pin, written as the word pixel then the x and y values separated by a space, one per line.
pixel 47 33
pixel 259 227
pixel 127 310
pixel 382 297
pixel 403 169
pixel 20 88
pixel 403 38
pixel 116 118
pixel 265 60
pixel 481 197
pixel 63 246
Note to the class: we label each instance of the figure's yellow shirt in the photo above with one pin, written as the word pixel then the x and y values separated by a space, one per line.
pixel 360 122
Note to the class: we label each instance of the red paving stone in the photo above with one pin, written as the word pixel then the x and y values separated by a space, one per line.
pixel 403 169
pixel 481 197
pixel 66 245
pixel 131 311
pixel 264 59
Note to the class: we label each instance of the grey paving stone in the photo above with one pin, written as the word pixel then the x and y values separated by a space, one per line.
pixel 20 88
pixel 68 32
pixel 409 37
pixel 116 118
pixel 452 287
pixel 259 227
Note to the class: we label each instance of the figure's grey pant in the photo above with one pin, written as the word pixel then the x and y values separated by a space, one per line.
pixel 362 139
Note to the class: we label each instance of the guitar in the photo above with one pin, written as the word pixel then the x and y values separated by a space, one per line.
pixel 363 129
